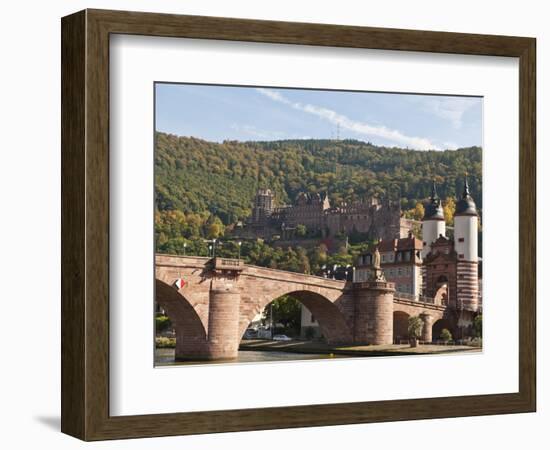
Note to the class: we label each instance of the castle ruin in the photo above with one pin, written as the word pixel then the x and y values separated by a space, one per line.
pixel 371 217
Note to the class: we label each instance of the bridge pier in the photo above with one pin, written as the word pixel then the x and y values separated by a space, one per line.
pixel 374 312
pixel 427 328
pixel 222 339
pixel 223 324
pixel 188 347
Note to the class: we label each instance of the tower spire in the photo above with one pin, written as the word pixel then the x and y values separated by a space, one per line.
pixel 434 192
pixel 466 191
pixel 466 204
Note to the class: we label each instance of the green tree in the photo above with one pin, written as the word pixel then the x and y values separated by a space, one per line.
pixel 287 312
pixel 162 323
pixel 478 326
pixel 415 325
pixel 301 230
pixel 215 229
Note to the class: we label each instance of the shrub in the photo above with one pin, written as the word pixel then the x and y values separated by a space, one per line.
pixel 446 335
pixel 309 333
pixel 162 323
pixel 165 342
pixel 475 342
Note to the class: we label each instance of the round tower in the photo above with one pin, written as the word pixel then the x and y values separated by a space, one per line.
pixel 465 240
pixel 466 226
pixel 433 223
pixel 223 324
pixel 373 318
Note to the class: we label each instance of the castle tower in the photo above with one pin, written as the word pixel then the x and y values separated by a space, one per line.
pixel 263 205
pixel 465 231
pixel 433 223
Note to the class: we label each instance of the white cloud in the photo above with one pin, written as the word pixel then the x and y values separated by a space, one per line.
pixel 451 109
pixel 345 122
pixel 450 145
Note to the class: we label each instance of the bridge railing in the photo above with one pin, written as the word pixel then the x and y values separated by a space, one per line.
pixel 228 264
pixel 414 298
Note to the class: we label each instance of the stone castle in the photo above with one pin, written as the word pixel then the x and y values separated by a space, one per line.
pixel 371 217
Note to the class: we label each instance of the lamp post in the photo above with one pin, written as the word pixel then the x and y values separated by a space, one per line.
pixel 184 248
pixel 239 244
pixel 210 250
pixel 213 248
pixel 271 319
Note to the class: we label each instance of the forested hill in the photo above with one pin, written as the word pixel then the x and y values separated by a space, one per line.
pixel 196 176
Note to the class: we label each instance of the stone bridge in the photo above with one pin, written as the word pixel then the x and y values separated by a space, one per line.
pixel 220 298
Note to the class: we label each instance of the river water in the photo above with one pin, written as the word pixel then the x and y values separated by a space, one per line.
pixel 165 357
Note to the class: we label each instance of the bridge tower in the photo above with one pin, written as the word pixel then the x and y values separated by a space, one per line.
pixel 373 312
pixel 465 243
pixel 433 223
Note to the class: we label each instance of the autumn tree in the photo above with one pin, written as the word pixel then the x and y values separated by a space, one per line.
pixel 449 208
pixel 418 211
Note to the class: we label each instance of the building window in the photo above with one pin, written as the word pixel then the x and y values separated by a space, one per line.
pixel 461 256
pixel 460 239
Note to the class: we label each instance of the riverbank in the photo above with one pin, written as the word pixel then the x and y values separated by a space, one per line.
pixel 308 347
pixel 166 357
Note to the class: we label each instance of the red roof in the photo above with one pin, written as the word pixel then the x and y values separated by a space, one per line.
pixel 392 245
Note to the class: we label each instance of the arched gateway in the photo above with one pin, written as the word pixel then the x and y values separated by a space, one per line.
pixel 220 297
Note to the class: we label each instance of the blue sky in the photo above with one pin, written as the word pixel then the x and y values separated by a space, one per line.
pixel 217 113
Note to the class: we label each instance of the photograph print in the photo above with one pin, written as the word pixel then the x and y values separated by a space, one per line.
pixel 304 224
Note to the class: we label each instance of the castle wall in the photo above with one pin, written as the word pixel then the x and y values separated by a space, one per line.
pixel 372 218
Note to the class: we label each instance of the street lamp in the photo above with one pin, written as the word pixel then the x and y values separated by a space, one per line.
pixel 210 250
pixel 184 248
pixel 271 319
pixel 213 248
pixel 239 244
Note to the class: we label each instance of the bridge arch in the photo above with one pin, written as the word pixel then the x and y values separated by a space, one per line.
pixel 331 320
pixel 190 331
pixel 438 327
pixel 441 295
pixel 400 326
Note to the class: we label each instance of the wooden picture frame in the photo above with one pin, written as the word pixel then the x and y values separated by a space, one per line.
pixel 85 224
